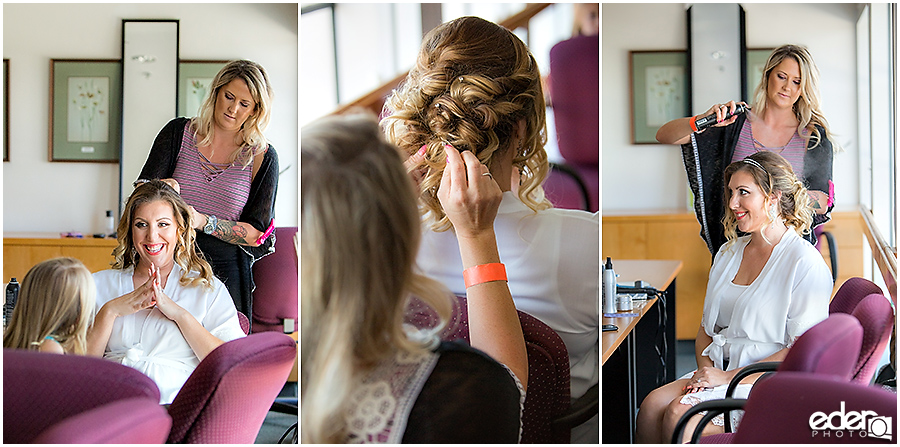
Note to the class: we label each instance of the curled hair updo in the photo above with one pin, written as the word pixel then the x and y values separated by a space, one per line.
pixel 472 83
pixel 776 175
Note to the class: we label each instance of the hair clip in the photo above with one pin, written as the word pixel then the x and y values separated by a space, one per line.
pixel 460 79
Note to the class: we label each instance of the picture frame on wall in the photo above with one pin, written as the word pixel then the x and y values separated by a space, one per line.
pixel 659 91
pixel 756 63
pixel 194 78
pixel 85 110
pixel 5 109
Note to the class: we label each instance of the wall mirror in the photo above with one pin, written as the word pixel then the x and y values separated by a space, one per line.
pixel 716 48
pixel 149 92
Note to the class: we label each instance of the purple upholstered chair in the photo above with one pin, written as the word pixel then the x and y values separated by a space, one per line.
pixel 275 276
pixel 830 348
pixel 245 322
pixel 44 392
pixel 851 292
pixel 779 410
pixel 876 315
pixel 227 397
pixel 575 96
pixel 564 188
pixel 138 420
pixel 548 415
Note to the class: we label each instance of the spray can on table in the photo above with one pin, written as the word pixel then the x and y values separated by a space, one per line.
pixel 12 295
pixel 609 288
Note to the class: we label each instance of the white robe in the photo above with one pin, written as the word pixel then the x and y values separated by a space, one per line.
pixel 153 344
pixel 789 296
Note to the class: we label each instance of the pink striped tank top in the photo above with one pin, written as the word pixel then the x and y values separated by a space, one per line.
pixel 211 188
pixel 793 151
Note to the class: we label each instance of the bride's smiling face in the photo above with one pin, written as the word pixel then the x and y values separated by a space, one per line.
pixel 748 202
pixel 154 231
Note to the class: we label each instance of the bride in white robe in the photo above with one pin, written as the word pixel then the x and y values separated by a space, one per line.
pixel 765 289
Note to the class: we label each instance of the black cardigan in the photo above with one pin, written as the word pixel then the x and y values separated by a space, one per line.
pixel 708 154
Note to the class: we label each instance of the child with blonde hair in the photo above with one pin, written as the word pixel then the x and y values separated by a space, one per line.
pixel 54 308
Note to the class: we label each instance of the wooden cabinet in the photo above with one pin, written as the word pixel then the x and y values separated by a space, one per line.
pixel 21 251
pixel 675 234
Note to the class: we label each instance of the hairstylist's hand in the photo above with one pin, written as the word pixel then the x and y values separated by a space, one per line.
pixel 721 111
pixel 140 298
pixel 469 194
pixel 173 183
pixel 413 165
pixel 198 219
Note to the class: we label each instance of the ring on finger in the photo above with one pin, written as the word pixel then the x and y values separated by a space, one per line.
pixel 488 174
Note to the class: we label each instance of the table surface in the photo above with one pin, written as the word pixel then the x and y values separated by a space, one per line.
pixel 658 273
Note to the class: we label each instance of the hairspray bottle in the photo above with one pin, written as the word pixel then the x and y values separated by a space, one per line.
pixel 609 288
pixel 12 295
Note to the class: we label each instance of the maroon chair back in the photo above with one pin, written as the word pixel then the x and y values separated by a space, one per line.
pixel 780 408
pixel 851 292
pixel 575 96
pixel 245 322
pixel 564 188
pixel 548 394
pixel 876 315
pixel 41 389
pixel 829 348
pixel 275 276
pixel 225 400
pixel 139 420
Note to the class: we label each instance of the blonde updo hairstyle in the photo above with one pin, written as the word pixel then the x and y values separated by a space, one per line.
pixel 472 83
pixel 808 108
pixel 185 254
pixel 56 300
pixel 776 175
pixel 251 134
pixel 361 231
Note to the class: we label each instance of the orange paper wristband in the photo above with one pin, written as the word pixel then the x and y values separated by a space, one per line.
pixel 484 273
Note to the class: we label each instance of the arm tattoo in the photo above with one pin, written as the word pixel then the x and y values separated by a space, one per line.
pixel 815 203
pixel 231 232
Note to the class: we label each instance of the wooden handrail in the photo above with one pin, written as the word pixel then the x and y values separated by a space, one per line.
pixel 374 100
pixel 884 255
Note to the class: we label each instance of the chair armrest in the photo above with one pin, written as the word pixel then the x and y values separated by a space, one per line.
pixel 752 368
pixel 584 408
pixel 128 421
pixel 712 408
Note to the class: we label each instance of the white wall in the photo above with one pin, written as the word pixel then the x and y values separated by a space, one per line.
pixel 653 173
pixel 54 197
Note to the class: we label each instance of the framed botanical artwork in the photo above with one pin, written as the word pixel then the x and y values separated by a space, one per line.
pixel 194 78
pixel 5 109
pixel 756 63
pixel 659 91
pixel 85 110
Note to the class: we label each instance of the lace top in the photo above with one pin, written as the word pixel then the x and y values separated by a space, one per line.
pixel 454 394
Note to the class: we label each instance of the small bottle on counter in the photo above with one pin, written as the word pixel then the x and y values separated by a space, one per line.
pixel 609 288
pixel 110 224
pixel 12 295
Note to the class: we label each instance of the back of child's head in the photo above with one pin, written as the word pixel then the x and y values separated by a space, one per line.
pixel 57 300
